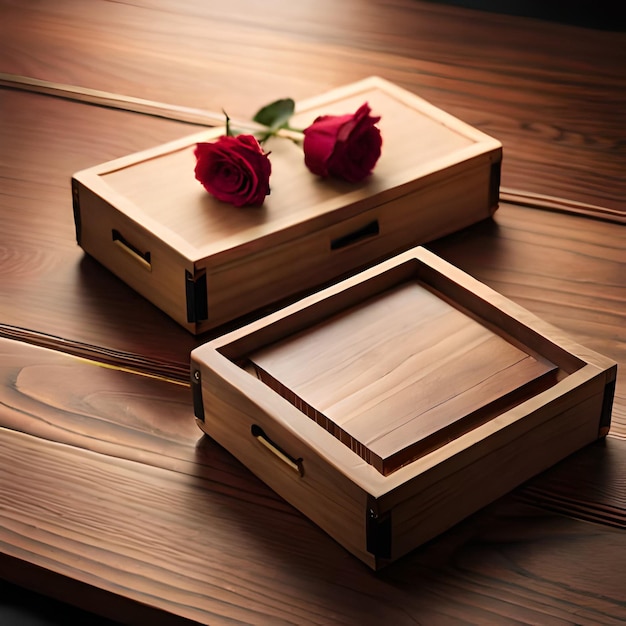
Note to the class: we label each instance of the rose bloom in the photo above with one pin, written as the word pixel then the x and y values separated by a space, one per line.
pixel 343 146
pixel 234 169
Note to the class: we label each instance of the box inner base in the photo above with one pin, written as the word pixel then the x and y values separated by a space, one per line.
pixel 400 374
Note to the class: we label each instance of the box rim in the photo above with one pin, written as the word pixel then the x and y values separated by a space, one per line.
pixel 208 356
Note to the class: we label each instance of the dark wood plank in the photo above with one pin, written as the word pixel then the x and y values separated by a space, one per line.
pixel 126 539
pixel 48 285
pixel 554 94
pixel 89 405
pixel 602 14
pixel 138 536
pixel 586 485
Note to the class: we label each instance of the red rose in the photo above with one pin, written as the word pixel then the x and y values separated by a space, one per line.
pixel 234 169
pixel 344 146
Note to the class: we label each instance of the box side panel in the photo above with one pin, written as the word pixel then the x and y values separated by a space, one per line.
pixel 437 207
pixel 133 253
pixel 489 470
pixel 284 461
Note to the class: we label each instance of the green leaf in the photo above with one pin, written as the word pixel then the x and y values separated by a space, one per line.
pixel 277 114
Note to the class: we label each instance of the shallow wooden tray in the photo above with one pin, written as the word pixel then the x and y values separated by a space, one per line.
pixel 206 263
pixel 401 373
pixel 399 401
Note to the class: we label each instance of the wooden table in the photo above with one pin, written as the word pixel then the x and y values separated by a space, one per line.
pixel 110 499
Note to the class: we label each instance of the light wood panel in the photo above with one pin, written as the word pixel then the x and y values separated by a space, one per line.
pixel 399 374
pixel 551 264
pixel 206 263
pixel 352 359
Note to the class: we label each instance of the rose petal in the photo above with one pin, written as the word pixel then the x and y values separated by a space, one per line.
pixel 234 169
pixel 344 146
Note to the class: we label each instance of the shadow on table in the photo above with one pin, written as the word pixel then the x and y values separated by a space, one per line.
pixel 20 607
pixel 601 15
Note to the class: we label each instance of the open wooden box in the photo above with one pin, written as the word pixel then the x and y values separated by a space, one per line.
pixel 393 404
pixel 206 263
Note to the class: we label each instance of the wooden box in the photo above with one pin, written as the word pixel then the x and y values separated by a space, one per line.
pixel 395 403
pixel 206 263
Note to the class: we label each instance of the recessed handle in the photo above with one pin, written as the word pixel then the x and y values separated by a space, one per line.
pixel 295 464
pixel 371 229
pixel 143 258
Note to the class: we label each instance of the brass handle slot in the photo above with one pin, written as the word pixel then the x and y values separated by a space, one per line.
pixel 365 232
pixel 295 464
pixel 143 258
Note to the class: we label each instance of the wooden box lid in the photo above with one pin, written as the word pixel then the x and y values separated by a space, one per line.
pixel 157 188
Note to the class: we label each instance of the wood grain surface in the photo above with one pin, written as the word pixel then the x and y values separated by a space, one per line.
pixel 179 525
pixel 148 220
pixel 554 94
pixel 109 497
pixel 399 374
pixel 50 289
